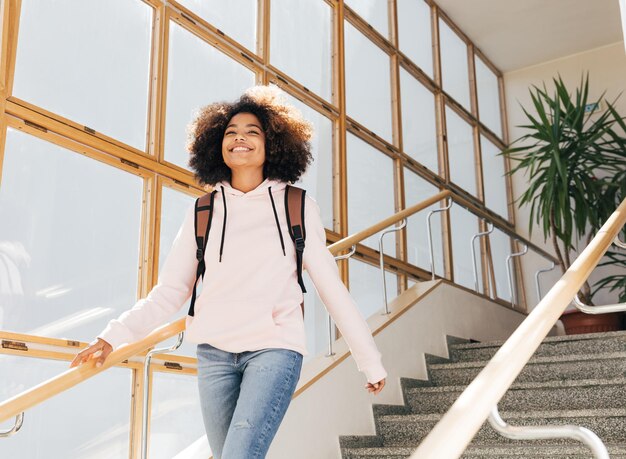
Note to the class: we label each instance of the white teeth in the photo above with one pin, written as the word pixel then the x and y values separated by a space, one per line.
pixel 241 149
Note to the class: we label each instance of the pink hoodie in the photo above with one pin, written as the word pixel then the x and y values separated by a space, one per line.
pixel 251 298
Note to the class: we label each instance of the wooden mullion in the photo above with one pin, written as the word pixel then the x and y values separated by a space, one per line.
pixel 298 90
pixel 158 85
pixel 10 32
pixel 263 35
pixel 146 244
pixel 136 413
pixel 487 62
pixel 450 23
pixel 416 72
pixel 489 134
pixel 210 33
pixel 434 23
pixel 368 30
pixel 204 31
pixel 20 115
pixel 371 137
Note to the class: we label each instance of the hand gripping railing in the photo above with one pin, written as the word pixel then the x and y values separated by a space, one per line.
pixel 430 235
pixel 382 260
pixel 581 434
pixel 449 438
pixel 146 393
pixel 490 228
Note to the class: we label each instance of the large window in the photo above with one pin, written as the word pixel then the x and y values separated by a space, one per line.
pixel 461 158
pixel 488 97
pixel 69 62
pixel 369 201
pixel 414 33
pixel 374 12
pixel 454 68
pixel 419 130
pixel 215 77
pixel 301 42
pixel 368 83
pixel 69 239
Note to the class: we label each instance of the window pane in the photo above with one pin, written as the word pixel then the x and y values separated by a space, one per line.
pixel 107 87
pixel 374 12
pixel 464 226
pixel 215 77
pixel 494 178
pixel 362 94
pixel 415 36
pixel 369 201
pixel 236 18
pixel 366 287
pixel 454 71
pixel 91 420
pixel 418 189
pixel 419 131
pixel 460 152
pixel 301 42
pixel 488 97
pixel 176 426
pixel 500 245
pixel 315 321
pixel 69 240
pixel 174 205
pixel 318 179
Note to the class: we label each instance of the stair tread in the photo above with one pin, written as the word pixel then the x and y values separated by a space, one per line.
pixel 534 360
pixel 575 383
pixel 509 415
pixel 549 339
pixel 495 448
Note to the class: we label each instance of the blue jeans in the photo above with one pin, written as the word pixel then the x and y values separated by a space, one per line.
pixel 244 397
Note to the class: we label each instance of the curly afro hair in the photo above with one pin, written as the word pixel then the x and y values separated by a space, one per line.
pixel 287 136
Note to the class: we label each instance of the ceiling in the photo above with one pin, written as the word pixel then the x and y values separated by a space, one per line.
pixel 515 34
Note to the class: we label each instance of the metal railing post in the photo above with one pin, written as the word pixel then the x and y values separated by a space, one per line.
pixel 330 319
pixel 382 259
pixel 474 266
pixel 509 270
pixel 430 235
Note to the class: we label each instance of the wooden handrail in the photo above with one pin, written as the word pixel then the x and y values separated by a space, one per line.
pixel 53 386
pixel 47 389
pixel 473 406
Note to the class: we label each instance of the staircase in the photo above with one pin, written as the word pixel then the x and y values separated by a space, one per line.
pixel 577 379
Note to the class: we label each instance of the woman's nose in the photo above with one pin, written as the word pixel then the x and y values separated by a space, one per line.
pixel 239 136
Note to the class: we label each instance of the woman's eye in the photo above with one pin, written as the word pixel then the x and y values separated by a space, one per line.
pixel 252 132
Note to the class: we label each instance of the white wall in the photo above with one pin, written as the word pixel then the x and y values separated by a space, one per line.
pixel 607 71
pixel 337 404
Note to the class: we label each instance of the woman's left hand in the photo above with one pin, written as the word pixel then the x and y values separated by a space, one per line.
pixel 376 387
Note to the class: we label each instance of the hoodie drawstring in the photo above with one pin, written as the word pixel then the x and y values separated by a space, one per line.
pixel 280 233
pixel 224 225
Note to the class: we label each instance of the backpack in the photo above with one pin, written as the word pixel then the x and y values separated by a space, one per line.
pixel 294 209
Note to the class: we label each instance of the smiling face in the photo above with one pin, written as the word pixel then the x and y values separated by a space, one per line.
pixel 243 146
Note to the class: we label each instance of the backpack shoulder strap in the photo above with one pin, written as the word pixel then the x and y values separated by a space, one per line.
pixel 294 209
pixel 202 225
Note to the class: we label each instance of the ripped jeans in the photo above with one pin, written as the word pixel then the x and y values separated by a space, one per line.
pixel 244 397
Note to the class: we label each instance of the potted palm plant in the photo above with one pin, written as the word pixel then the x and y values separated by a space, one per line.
pixel 575 161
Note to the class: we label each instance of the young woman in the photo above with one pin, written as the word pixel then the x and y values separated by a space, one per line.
pixel 247 321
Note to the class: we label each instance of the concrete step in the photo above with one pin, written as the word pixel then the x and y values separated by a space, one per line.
pixel 491 452
pixel 538 369
pixel 409 430
pixel 592 343
pixel 550 395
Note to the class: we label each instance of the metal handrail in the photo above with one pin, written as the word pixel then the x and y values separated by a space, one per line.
pixel 509 272
pixel 539 272
pixel 382 259
pixel 581 434
pixel 331 329
pixel 19 420
pixel 146 393
pixel 474 266
pixel 620 244
pixel 430 234
pixel 468 413
pixel 605 309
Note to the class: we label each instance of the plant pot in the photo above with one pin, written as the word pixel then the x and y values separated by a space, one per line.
pixel 576 322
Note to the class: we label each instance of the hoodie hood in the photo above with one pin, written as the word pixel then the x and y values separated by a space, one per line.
pixel 226 187
pixel 268 187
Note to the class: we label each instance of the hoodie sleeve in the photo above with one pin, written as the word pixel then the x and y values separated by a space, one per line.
pixel 322 268
pixel 174 286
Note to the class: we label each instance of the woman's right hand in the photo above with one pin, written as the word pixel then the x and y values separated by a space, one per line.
pixel 86 354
